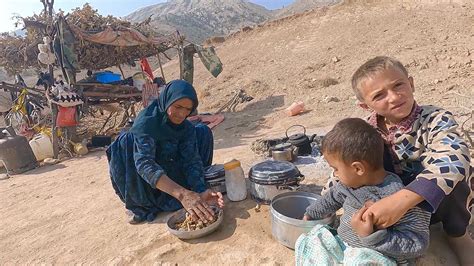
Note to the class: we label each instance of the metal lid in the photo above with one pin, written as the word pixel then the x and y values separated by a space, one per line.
pixel 299 139
pixel 274 173
pixel 281 146
pixel 216 181
pixel 214 171
pixel 298 136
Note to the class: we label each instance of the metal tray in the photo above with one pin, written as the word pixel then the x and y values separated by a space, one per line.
pixel 180 216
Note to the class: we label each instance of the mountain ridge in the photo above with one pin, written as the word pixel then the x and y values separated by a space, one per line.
pixel 199 20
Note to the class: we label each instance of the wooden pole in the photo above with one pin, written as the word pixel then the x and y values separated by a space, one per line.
pixel 48 4
pixel 180 54
pixel 180 57
pixel 111 94
pixel 54 133
pixel 161 67
pixel 121 71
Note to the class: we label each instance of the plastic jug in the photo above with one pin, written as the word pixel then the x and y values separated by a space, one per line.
pixel 80 148
pixel 42 147
pixel 235 181
pixel 139 80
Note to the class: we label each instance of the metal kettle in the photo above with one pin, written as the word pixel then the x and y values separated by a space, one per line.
pixel 301 140
pixel 284 152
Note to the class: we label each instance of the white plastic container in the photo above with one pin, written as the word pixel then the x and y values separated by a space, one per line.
pixel 139 80
pixel 235 181
pixel 42 147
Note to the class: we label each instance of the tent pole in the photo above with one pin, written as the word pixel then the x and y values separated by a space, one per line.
pixel 121 71
pixel 161 67
pixel 180 57
pixel 48 6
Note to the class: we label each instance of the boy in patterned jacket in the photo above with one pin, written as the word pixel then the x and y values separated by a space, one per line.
pixel 423 148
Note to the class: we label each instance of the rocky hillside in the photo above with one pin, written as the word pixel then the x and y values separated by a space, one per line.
pixel 310 57
pixel 300 6
pixel 200 19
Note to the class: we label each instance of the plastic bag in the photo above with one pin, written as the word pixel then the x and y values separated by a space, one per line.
pixel 66 117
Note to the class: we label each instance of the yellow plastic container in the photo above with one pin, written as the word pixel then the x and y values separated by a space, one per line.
pixel 235 185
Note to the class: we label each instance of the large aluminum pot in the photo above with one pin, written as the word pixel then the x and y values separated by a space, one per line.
pixel 287 211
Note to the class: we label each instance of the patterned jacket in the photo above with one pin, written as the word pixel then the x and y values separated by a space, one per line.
pixel 429 155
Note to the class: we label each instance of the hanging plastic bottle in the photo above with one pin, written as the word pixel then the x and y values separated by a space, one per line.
pixel 235 181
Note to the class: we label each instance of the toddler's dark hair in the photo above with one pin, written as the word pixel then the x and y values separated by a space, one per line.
pixel 353 139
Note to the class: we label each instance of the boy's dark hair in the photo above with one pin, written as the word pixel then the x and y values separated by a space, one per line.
pixel 353 139
pixel 371 67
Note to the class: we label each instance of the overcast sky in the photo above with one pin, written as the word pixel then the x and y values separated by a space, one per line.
pixel 9 8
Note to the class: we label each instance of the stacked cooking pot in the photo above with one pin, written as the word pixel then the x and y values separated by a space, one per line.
pixel 271 178
pixel 215 177
pixel 293 146
pixel 300 141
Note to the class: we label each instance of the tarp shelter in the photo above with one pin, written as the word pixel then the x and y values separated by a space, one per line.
pixel 113 47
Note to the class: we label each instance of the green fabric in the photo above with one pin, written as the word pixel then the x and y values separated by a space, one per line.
pixel 64 43
pixel 210 59
pixel 366 256
pixel 153 121
pixel 322 246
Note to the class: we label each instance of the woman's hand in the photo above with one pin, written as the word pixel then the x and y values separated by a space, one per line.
pixel 213 198
pixel 194 203
pixel 388 211
pixel 196 206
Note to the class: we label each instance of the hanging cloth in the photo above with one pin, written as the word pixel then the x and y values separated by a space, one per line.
pixel 146 68
pixel 210 59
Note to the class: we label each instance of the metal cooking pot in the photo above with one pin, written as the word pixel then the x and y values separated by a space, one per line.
pixel 287 211
pixel 214 175
pixel 284 152
pixel 301 141
pixel 271 178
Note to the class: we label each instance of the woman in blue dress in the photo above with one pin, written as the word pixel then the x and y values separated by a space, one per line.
pixel 157 166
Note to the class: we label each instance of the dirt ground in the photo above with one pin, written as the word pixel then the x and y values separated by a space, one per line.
pixel 68 213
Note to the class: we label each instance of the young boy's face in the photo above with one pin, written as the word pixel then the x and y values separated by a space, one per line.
pixel 389 93
pixel 347 174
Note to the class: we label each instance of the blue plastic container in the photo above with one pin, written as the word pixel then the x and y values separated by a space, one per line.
pixel 107 77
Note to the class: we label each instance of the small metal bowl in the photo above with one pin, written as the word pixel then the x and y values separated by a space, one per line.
pixel 181 215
